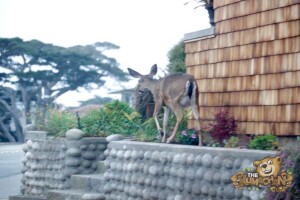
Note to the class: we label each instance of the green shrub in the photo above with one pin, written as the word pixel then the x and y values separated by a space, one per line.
pixel 147 131
pixel 59 122
pixel 264 142
pixel 114 118
pixel 233 142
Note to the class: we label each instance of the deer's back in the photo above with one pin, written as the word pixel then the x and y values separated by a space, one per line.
pixel 175 84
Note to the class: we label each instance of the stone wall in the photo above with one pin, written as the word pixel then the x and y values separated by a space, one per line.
pixel 137 170
pixel 49 162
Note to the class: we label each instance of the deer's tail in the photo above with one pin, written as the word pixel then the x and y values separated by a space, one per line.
pixel 189 89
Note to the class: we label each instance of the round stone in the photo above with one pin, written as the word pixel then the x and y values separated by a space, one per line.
pixel 29 144
pixel 120 154
pixel 92 147
pixel 217 177
pixel 196 189
pixel 89 155
pixel 114 137
pixel 177 159
pixel 161 183
pixel 190 159
pixel 183 158
pixel 86 163
pixel 181 172
pixel 74 152
pixel 155 156
pixel 29 127
pixel 74 134
pixel 73 162
pixel 153 170
pixel 147 155
pixel 226 177
pixel 207 160
pixel 35 146
pixel 113 153
pixel 146 193
pixel 208 176
pixel 228 164
pixel 199 173
pixel 239 194
pixel 162 194
pixel 229 191
pixel 190 173
pixel 106 152
pixel 212 192
pixel 83 147
pixel 204 189
pixel 163 157
pixel 170 156
pixel 188 186
pixel 217 162
pixel 134 154
pixel 237 163
pixel 102 147
pixel 198 160
pixel 101 156
pixel 127 154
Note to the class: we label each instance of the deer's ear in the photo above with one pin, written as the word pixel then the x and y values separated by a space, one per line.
pixel 153 70
pixel 134 73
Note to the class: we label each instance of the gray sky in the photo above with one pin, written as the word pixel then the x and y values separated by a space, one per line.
pixel 145 30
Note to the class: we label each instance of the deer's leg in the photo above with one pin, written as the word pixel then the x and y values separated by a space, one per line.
pixel 196 113
pixel 155 113
pixel 179 115
pixel 166 117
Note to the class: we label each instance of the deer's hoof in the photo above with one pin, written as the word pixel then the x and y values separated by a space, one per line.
pixel 169 141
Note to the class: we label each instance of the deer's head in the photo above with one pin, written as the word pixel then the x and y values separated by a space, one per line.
pixel 146 81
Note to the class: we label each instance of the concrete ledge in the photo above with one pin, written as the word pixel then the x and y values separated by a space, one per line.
pixel 197 35
pixel 228 152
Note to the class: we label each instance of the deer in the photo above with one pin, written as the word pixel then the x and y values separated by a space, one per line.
pixel 173 92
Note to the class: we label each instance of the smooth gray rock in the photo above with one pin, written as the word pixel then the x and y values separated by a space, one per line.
pixel 115 137
pixel 74 134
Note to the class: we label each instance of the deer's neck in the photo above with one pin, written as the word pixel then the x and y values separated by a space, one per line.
pixel 155 88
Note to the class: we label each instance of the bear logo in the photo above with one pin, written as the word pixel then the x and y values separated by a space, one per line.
pixel 269 166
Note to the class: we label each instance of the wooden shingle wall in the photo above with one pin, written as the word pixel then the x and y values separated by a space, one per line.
pixel 251 65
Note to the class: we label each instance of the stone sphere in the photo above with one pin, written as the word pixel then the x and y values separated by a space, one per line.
pixel 217 162
pixel 198 160
pixel 207 160
pixel 74 134
pixel 228 163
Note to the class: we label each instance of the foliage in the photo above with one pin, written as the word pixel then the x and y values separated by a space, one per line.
pixel 224 126
pixel 233 142
pixel 147 131
pixel 43 72
pixel 208 140
pixel 264 142
pixel 177 58
pixel 59 122
pixel 189 137
pixel 291 164
pixel 115 118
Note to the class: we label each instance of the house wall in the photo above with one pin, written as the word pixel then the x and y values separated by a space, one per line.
pixel 251 64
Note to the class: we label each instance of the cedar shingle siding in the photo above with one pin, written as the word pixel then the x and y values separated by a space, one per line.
pixel 251 65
